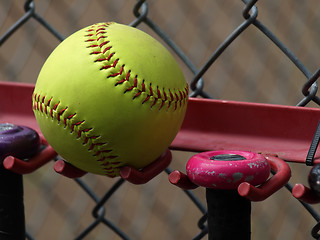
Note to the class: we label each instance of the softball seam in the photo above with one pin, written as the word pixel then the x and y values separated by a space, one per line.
pixel 101 46
pixel 107 160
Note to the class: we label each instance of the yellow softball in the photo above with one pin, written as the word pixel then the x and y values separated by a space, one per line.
pixel 109 96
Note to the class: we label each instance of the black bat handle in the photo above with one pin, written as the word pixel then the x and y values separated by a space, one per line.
pixel 12 219
pixel 20 142
pixel 229 215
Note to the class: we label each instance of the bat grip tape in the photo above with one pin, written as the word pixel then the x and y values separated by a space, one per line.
pixel 12 219
pixel 229 215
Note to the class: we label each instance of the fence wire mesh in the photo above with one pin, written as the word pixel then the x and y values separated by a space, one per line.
pixel 254 51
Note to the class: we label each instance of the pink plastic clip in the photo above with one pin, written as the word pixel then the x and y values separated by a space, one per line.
pixel 181 180
pixel 149 172
pixel 23 167
pixel 128 173
pixel 68 170
pixel 282 176
pixel 305 194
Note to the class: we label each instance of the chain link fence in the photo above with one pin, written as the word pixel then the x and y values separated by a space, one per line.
pixel 253 51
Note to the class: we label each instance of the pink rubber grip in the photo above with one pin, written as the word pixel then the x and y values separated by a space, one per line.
pixel 203 171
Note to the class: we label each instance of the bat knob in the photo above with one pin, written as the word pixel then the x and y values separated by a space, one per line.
pixel 227 169
pixel 314 179
pixel 18 141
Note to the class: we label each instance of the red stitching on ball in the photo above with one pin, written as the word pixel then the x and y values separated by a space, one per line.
pixel 99 29
pixel 162 104
pixel 71 116
pixel 80 122
pixel 129 89
pixel 96 52
pixel 49 101
pixel 106 49
pixel 176 103
pixel 54 109
pixel 104 43
pixel 101 159
pixel 124 79
pixel 120 82
pixel 137 95
pixel 110 56
pixel 135 81
pixel 63 110
pixel 104 25
pixel 98 144
pixel 55 106
pixel 100 37
pixel 40 104
pixel 146 99
pixel 171 95
pixel 154 102
pixel 178 97
pixel 151 90
pixel 113 65
pixel 101 32
pixel 118 73
pixel 79 133
pixel 143 86
pixel 158 92
pixel 41 108
pixel 100 152
pixel 100 59
pixel 165 95
pixel 60 113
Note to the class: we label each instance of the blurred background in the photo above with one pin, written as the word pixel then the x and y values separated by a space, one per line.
pixel 251 69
